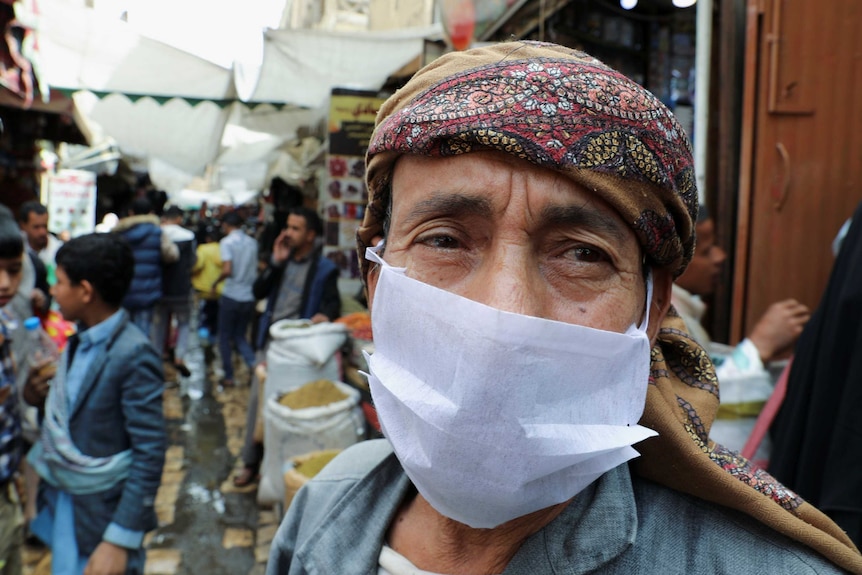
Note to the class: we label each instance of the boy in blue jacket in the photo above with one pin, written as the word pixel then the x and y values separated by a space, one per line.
pixel 103 440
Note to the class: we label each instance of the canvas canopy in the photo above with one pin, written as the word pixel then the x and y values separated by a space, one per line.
pixel 181 113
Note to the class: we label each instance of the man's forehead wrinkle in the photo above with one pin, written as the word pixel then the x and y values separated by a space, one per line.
pixel 441 203
pixel 583 216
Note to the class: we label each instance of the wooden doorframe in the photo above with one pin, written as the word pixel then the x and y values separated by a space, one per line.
pixel 723 170
pixel 753 28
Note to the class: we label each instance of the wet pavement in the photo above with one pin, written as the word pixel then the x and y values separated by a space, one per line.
pixel 206 525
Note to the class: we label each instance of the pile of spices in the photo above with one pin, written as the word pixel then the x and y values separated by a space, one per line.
pixel 313 394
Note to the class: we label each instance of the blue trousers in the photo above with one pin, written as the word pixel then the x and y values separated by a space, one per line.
pixel 233 319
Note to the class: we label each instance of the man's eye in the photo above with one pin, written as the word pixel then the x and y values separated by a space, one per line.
pixel 441 242
pixel 588 255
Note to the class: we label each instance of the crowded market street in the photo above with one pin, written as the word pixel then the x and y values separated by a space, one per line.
pixel 206 525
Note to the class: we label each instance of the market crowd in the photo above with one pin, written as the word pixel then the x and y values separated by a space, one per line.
pixel 88 328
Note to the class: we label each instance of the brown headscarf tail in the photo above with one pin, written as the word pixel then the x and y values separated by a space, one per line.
pixel 682 401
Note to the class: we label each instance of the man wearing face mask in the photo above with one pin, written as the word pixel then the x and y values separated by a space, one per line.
pixel 543 407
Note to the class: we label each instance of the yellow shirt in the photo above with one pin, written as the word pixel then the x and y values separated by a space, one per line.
pixel 207 270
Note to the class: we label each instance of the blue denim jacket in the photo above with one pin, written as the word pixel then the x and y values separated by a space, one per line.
pixel 621 524
pixel 118 407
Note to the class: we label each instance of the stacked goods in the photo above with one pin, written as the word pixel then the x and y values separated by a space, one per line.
pixel 300 352
pixel 305 467
pixel 321 414
pixel 358 323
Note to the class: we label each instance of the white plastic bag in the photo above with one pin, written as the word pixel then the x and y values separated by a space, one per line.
pixel 297 355
pixel 291 432
pixel 300 341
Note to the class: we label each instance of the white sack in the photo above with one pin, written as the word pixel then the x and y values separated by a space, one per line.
pixel 313 344
pixel 291 432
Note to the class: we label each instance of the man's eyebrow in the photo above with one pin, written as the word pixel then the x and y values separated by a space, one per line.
pixel 446 204
pixel 582 217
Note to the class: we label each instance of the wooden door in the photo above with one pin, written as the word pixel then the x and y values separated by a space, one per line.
pixel 801 150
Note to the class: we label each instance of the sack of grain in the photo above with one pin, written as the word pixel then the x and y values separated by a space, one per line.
pixel 320 415
pixel 303 468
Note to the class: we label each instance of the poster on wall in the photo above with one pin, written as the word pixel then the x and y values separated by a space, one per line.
pixel 72 202
pixel 351 122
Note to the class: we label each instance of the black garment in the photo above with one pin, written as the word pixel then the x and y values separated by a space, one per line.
pixel 41 272
pixel 177 276
pixel 816 435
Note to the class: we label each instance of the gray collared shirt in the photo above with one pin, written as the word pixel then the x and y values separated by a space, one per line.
pixel 241 250
pixel 621 524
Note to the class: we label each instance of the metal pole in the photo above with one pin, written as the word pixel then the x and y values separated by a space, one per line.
pixel 701 98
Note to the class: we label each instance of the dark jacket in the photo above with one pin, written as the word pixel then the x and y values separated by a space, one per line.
pixel 119 406
pixel 320 294
pixel 177 276
pixel 41 281
pixel 144 235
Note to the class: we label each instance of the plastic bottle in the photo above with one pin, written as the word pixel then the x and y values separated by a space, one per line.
pixel 42 352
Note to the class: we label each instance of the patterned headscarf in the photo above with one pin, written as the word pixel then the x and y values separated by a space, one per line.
pixel 563 110
pixel 559 109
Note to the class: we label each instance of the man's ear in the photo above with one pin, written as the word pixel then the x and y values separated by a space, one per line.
pixel 373 275
pixel 660 304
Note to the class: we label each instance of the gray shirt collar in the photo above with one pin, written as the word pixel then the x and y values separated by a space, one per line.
pixel 599 525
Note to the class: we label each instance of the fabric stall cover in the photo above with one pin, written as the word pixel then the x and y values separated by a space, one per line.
pixel 324 60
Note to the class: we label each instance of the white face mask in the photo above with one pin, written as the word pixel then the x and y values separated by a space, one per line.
pixel 494 415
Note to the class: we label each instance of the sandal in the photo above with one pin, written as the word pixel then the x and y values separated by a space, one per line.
pixel 246 477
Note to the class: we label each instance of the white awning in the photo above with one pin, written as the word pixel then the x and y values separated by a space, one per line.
pixel 302 67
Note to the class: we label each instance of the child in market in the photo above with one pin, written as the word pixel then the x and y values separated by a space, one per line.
pixel 102 446
pixel 11 516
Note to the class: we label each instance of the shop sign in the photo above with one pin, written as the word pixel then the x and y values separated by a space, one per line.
pixel 72 202
pixel 351 122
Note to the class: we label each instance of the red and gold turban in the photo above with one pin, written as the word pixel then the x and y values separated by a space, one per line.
pixel 557 108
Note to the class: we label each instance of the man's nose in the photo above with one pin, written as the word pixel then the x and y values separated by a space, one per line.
pixel 719 256
pixel 509 281
pixel 5 281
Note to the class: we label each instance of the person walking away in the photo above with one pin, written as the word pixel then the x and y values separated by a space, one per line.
pixel 103 441
pixel 238 253
pixel 151 250
pixel 176 290
pixel 205 272
pixel 298 283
